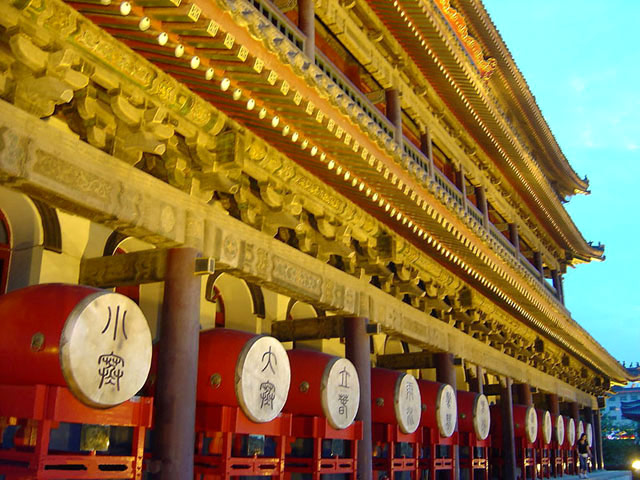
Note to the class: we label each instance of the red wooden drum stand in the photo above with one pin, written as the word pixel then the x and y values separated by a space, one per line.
pixel 323 400
pixel 438 425
pixel 228 444
pixel 38 409
pixel 557 460
pixel 395 411
pixel 544 444
pixel 243 383
pixel 71 354
pixel 525 423
pixel 474 423
pixel 568 448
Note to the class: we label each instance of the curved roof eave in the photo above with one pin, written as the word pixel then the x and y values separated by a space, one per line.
pixel 478 16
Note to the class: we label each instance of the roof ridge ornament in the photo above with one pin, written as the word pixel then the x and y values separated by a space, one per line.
pixel 485 64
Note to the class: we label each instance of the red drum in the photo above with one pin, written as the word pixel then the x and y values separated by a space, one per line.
pixel 323 386
pixel 473 414
pixel 95 342
pixel 239 368
pixel 559 429
pixel 395 399
pixel 439 407
pixel 525 423
pixel 571 432
pixel 546 426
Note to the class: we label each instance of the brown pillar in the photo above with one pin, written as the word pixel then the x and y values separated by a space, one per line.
pixel 554 404
pixel 508 435
pixel 307 25
pixel 588 416
pixel 426 147
pixel 175 398
pixel 462 186
pixel 554 279
pixel 357 350
pixel 515 239
pixel 561 289
pixel 537 259
pixel 524 394
pixel 574 412
pixel 446 373
pixel 394 111
pixel 476 383
pixel 482 204
pixel 598 438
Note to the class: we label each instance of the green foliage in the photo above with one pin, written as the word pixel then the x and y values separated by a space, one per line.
pixel 618 454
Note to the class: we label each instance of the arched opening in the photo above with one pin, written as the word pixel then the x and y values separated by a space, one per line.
pixel 5 252
pixel 298 309
pixel 234 303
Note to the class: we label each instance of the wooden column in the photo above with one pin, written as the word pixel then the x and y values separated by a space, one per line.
pixel 175 398
pixel 483 206
pixel 555 277
pixel 508 435
pixel 598 438
pixel 515 239
pixel 307 25
pixel 574 412
pixel 394 111
pixel 462 186
pixel 561 289
pixel 476 383
pixel 480 379
pixel 554 404
pixel 426 147
pixel 588 416
pixel 537 259
pixel 446 373
pixel 524 394
pixel 357 350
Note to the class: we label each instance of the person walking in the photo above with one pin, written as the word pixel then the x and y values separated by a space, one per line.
pixel 584 452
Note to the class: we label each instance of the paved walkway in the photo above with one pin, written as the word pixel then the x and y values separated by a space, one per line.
pixel 604 475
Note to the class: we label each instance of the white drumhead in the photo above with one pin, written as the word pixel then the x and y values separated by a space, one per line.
pixel 481 417
pixel 547 427
pixel 571 432
pixel 580 429
pixel 446 410
pixel 263 376
pixel 531 424
pixel 407 403
pixel 340 393
pixel 105 349
pixel 560 429
pixel 589 434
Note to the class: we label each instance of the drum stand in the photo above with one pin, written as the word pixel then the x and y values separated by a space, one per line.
pixel 220 428
pixel 38 409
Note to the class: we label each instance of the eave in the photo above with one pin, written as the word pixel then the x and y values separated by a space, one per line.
pixel 433 45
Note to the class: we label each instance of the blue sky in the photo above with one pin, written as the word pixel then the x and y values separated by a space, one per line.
pixel 581 61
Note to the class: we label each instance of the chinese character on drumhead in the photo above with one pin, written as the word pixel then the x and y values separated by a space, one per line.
pixel 112 369
pixel 343 399
pixel 115 323
pixel 267 394
pixel 267 364
pixel 344 378
pixel 409 391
